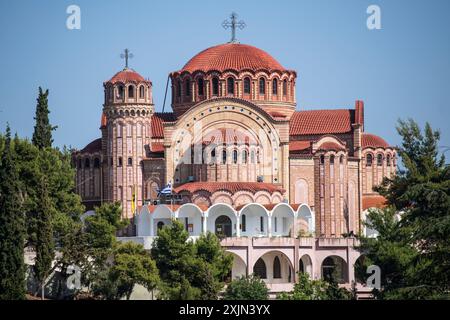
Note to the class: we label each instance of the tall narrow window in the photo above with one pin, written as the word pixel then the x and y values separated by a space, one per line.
pixel 120 92
pixel 213 155
pixel 119 162
pixel 247 85
pixel 96 163
pixel 322 159
pixel 179 88
pixel 261 224
pixel 244 223
pixel 79 163
pixel 130 161
pixel 141 92
pixel 284 87
pixel 224 156
pixel 130 91
pixel 200 86
pixel 369 160
pixel 244 156
pixel 276 268
pixel 230 85
pixel 274 87
pixel 388 160
pixel 262 86
pixel 235 156
pixel 215 86
pixel 275 224
pixel 252 156
pixel 188 87
pixel 259 269
pixel 87 163
pixel 380 160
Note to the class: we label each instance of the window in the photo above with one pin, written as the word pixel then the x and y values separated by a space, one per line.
pixel 332 159
pixel 224 156
pixel 200 86
pixel 262 86
pixel 284 87
pixel 230 86
pixel 379 160
pixel 261 224
pixel 369 160
pixel 119 164
pixel 215 86
pixel 388 160
pixel 274 87
pixel 79 163
pixel 120 92
pixel 247 85
pixel 244 223
pixel 96 163
pixel 130 91
pixel 235 156
pixel 252 156
pixel 179 88
pixel 87 163
pixel 188 87
pixel 141 92
pixel 341 159
pixel 244 156
pixel 322 159
pixel 276 268
pixel 275 224
pixel 130 161
pixel 213 155
pixel 259 269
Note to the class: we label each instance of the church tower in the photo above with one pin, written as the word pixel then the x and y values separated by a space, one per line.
pixel 126 130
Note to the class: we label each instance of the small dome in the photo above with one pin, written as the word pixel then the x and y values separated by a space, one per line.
pixel 126 75
pixel 372 141
pixel 232 56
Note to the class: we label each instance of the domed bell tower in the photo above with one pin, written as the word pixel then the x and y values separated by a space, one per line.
pixel 126 130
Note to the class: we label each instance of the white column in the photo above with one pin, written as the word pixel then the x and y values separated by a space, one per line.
pixel 238 225
pixel 269 227
pixel 204 224
pixel 151 227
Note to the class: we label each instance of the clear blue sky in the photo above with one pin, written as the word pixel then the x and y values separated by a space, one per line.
pixel 400 71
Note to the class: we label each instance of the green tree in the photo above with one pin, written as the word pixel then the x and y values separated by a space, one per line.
pixel 131 265
pixel 413 248
pixel 12 227
pixel 44 238
pixel 246 288
pixel 42 136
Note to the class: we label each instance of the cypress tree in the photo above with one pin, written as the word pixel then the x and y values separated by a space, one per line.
pixel 44 237
pixel 42 135
pixel 12 228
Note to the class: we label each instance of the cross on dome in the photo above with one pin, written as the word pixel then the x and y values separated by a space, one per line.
pixel 233 24
pixel 126 55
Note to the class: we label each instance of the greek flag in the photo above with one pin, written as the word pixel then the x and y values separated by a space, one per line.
pixel 167 189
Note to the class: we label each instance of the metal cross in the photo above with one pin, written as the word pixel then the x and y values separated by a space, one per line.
pixel 127 55
pixel 233 24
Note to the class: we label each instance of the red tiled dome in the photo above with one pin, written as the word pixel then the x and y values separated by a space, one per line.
pixel 126 75
pixel 234 56
pixel 372 141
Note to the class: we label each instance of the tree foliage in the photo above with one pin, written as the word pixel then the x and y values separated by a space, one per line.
pixel 246 288
pixel 42 136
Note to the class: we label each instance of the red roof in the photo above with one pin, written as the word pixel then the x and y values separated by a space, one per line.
pixel 277 114
pixel 175 207
pixel 126 75
pixel 298 146
pixel 331 146
pixel 270 206
pixel 373 201
pixel 157 123
pixel 232 187
pixel 321 122
pixel 228 136
pixel 94 146
pixel 372 141
pixel 157 147
pixel 234 56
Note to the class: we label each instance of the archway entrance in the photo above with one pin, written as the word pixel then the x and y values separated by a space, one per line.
pixel 223 226
pixel 334 269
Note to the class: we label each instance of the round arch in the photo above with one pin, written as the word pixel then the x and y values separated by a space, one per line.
pixel 279 268
pixel 334 268
pixel 257 220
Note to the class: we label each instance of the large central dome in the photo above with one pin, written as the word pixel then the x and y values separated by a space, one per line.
pixel 232 56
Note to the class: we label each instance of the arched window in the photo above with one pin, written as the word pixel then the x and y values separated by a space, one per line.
pixel 388 160
pixel 252 156
pixel 188 87
pixel 274 87
pixel 79 163
pixel 244 223
pixel 369 160
pixel 224 156
pixel 213 155
pixel 235 156
pixel 179 88
pixel 200 86
pixel 159 226
pixel 262 86
pixel 276 268
pixel 244 156
pixel 120 92
pixel 215 86
pixel 130 91
pixel 87 163
pixel 284 87
pixel 322 159
pixel 141 92
pixel 130 161
pixel 119 162
pixel 341 159
pixel 331 159
pixel 259 269
pixel 247 85
pixel 230 85
pixel 379 159
pixel 96 163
